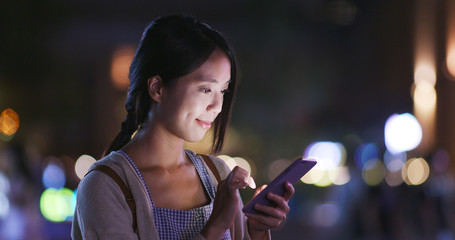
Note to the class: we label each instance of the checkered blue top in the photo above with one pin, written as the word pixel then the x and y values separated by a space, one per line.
pixel 183 224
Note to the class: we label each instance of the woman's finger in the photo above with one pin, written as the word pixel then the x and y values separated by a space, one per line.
pixel 251 182
pixel 273 212
pixel 237 183
pixel 238 178
pixel 280 201
pixel 265 222
pixel 288 191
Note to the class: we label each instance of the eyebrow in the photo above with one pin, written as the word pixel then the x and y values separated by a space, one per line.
pixel 211 80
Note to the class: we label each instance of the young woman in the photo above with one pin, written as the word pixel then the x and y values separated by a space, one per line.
pixel 182 83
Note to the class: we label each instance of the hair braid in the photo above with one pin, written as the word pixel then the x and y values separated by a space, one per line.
pixel 135 116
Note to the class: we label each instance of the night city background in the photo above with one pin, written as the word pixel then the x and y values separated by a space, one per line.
pixel 365 87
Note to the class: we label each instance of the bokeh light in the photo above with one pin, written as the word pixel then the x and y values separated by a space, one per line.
pixel 450 60
pixel 228 160
pixel 241 162
pixel 83 164
pixel 9 122
pixel 329 155
pixel 373 172
pixel 450 39
pixel 5 184
pixel 14 226
pixel 402 133
pixel 394 162
pixel 340 175
pixel 232 162
pixel 4 205
pixel 57 205
pixel 425 96
pixel 315 176
pixel 4 201
pixel 121 62
pixel 416 171
pixel 326 215
pixel 305 98
pixel 365 153
pixel 424 73
pixel 53 174
pixel 393 178
pixel 324 179
pixel 73 204
pixel 318 177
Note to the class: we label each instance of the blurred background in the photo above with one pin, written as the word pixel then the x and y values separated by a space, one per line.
pixel 365 87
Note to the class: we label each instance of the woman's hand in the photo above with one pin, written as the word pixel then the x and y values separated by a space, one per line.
pixel 272 216
pixel 226 203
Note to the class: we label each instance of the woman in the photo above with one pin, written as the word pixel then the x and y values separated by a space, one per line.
pixel 182 81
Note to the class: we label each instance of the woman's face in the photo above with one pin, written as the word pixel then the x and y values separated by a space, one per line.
pixel 189 107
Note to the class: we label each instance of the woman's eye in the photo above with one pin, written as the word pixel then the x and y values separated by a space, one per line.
pixel 206 90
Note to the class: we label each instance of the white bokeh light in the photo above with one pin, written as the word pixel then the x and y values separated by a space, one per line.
pixel 83 164
pixel 402 133
pixel 329 155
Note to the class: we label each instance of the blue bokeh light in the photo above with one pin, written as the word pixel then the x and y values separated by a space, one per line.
pixel 53 176
pixel 365 153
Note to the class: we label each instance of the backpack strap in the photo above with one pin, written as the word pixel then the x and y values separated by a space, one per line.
pixel 126 191
pixel 212 167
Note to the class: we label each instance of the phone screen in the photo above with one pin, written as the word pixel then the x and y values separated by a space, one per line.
pixel 291 174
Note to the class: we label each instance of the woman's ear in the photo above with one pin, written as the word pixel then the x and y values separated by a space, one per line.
pixel 155 88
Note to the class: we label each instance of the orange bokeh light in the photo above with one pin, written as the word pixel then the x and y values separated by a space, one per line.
pixel 9 122
pixel 120 66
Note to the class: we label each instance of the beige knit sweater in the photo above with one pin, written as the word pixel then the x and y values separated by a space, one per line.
pixel 103 213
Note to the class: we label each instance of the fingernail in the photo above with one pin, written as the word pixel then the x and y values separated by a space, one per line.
pixel 251 183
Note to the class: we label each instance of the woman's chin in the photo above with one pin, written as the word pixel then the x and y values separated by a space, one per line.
pixel 194 139
pixel 199 136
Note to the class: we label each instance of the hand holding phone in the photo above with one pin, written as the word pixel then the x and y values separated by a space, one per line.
pixel 291 174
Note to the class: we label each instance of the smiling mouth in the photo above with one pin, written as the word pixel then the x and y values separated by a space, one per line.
pixel 204 124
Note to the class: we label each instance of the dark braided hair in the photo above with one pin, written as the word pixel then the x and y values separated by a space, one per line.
pixel 172 47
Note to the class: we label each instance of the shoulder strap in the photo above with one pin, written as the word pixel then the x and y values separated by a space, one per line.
pixel 212 167
pixel 126 191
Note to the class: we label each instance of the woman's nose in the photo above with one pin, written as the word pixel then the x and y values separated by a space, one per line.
pixel 216 104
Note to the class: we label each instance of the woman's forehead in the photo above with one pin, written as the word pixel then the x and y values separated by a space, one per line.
pixel 216 69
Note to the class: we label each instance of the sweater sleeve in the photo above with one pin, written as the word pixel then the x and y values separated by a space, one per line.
pixel 101 210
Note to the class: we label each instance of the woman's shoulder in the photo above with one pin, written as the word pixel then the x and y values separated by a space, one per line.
pixel 101 207
pixel 95 179
pixel 112 160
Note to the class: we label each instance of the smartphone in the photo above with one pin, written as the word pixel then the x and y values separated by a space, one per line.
pixel 291 174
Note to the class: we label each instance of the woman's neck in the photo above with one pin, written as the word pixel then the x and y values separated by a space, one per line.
pixel 154 146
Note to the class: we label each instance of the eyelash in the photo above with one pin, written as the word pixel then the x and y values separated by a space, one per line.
pixel 226 91
pixel 208 90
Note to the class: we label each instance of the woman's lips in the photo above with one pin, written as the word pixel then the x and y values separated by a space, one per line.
pixel 204 124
